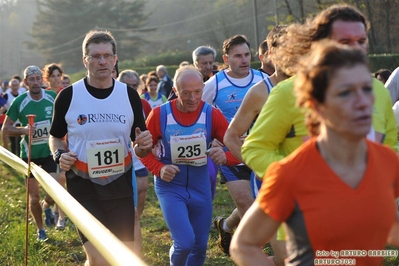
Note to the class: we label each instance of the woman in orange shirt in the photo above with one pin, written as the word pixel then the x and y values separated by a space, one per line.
pixel 336 193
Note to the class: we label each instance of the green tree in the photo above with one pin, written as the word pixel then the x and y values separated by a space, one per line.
pixel 60 27
pixel 125 19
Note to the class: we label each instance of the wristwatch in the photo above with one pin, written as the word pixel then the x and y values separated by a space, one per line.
pixel 57 155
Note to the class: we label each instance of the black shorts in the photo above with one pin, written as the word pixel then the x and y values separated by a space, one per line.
pixel 117 215
pixel 47 164
pixel 234 173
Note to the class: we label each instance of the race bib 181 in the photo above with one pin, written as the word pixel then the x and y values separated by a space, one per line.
pixel 105 157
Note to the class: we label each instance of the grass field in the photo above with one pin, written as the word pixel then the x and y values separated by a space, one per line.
pixel 63 247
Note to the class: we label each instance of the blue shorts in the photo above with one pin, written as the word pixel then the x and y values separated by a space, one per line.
pixel 255 185
pixel 234 173
pixel 141 172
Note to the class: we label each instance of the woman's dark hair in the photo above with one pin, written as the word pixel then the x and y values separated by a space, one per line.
pixel 48 70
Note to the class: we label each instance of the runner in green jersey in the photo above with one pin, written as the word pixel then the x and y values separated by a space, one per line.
pixel 40 103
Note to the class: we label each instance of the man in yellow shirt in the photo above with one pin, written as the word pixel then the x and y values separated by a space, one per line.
pixel 280 127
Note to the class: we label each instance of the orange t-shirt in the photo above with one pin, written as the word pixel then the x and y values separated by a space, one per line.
pixel 322 213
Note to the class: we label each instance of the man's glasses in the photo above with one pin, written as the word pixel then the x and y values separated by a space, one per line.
pixel 98 57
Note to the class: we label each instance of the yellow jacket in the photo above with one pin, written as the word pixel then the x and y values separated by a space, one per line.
pixel 280 126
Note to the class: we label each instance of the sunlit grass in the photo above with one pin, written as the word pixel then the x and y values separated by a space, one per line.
pixel 63 247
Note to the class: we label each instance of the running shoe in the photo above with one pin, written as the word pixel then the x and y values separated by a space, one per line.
pixel 41 235
pixel 224 237
pixel 60 224
pixel 49 217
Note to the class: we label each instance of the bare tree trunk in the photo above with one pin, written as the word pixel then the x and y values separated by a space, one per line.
pixel 319 5
pixel 373 40
pixel 287 4
pixel 301 10
pixel 255 24
pixel 387 24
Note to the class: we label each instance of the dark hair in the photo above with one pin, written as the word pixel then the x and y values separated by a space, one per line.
pixel 49 69
pixel 116 68
pixel 17 77
pixel 233 41
pixel 96 36
pixel 322 23
pixel 315 72
pixel 384 73
pixel 151 78
pixel 152 73
pixel 262 49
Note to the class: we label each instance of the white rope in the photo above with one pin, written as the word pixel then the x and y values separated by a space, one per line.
pixel 113 250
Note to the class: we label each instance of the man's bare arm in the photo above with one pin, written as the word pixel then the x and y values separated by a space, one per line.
pixel 10 130
pixel 245 116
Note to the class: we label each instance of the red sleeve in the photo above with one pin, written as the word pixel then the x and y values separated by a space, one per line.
pixel 146 107
pixel 153 124
pixel 219 127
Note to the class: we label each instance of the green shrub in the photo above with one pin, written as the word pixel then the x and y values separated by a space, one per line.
pixel 255 64
pixel 144 70
pixel 383 61
pixel 171 60
pixel 76 76
pixel 165 58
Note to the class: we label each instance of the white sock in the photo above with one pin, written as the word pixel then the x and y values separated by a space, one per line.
pixel 225 227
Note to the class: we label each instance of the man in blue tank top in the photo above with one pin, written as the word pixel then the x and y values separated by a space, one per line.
pixel 226 90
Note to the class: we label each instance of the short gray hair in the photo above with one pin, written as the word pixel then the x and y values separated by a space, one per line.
pixel 203 50
pixel 161 68
pixel 182 70
pixel 128 73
